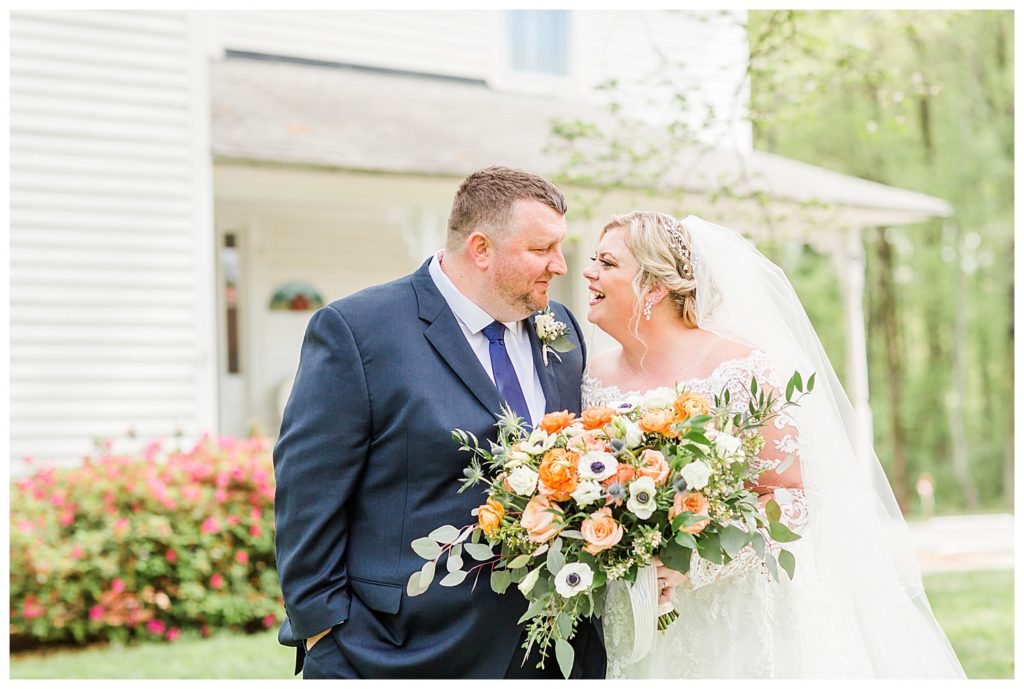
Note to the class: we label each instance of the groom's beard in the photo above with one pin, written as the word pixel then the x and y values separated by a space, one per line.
pixel 511 290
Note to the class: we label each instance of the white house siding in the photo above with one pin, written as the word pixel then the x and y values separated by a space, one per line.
pixel 624 44
pixel 111 324
pixel 449 43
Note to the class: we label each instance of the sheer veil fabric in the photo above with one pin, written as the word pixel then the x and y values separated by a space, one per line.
pixel 856 607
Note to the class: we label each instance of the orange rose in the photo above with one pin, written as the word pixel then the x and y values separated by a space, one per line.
pixel 600 531
pixel 558 474
pixel 653 464
pixel 539 521
pixel 690 502
pixel 556 421
pixel 597 417
pixel 489 515
pixel 658 421
pixel 688 404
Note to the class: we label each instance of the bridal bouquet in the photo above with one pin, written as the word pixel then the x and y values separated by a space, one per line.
pixel 579 502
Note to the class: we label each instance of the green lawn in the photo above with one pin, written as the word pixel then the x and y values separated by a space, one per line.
pixel 975 609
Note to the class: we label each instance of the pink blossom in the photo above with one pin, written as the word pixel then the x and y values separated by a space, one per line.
pixel 242 557
pixel 27 459
pixel 57 499
pixel 77 552
pixel 222 480
pixel 269 620
pixel 255 531
pixel 204 631
pixel 173 633
pixel 96 612
pixel 149 452
pixel 156 626
pixel 25 526
pixel 121 524
pixel 117 586
pixel 232 520
pixel 191 493
pixel 67 518
pixel 31 609
pixel 171 556
pixel 210 525
pixel 217 581
pixel 221 496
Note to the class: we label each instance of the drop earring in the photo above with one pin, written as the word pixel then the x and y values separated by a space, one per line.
pixel 647 309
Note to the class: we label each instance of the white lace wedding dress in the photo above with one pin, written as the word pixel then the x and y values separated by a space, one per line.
pixel 734 621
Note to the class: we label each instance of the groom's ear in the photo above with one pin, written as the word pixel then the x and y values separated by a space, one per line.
pixel 479 249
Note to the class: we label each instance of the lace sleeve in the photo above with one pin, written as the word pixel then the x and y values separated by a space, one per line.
pixel 782 441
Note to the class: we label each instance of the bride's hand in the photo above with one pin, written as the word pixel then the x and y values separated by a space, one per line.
pixel 668 580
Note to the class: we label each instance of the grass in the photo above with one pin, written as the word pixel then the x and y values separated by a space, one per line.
pixel 975 608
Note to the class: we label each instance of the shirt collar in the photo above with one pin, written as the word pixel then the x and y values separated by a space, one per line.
pixel 471 315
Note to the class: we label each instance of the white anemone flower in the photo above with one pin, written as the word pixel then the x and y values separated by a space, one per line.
pixel 641 497
pixel 573 578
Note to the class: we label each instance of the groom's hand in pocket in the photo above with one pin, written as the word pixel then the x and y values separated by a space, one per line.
pixel 311 641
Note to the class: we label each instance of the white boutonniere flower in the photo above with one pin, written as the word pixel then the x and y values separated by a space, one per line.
pixel 553 335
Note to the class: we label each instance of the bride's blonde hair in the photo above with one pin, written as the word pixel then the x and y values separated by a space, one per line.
pixel 661 245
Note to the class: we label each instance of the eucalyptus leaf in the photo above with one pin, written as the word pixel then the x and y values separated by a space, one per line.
pixel 810 382
pixel 677 557
pixel 780 533
pixel 757 541
pixel 464 535
pixel 563 345
pixel 685 539
pixel 479 551
pixel 565 625
pixel 500 580
pixel 772 509
pixel 518 562
pixel 454 578
pixel 426 548
pixel 572 534
pixel 786 463
pixel 526 585
pixel 773 567
pixel 536 608
pixel 454 562
pixel 413 587
pixel 444 534
pixel 555 560
pixel 787 562
pixel 427 575
pixel 732 539
pixel 710 548
pixel 566 655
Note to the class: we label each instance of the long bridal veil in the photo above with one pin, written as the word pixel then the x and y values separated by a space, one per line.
pixel 863 572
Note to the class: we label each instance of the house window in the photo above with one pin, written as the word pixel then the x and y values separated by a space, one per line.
pixel 538 42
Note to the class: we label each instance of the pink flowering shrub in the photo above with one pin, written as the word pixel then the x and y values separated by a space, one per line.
pixel 145 546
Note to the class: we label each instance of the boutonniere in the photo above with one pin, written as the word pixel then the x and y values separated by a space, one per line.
pixel 552 334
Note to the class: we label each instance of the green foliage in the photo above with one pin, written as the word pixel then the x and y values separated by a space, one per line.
pixel 145 547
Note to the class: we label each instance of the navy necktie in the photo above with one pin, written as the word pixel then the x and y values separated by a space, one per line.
pixel 504 374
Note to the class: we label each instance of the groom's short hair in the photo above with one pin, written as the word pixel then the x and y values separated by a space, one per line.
pixel 484 201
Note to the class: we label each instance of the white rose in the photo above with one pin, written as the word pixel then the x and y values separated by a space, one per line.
pixel 573 578
pixel 727 446
pixel 597 466
pixel 641 497
pixel 659 398
pixel 696 475
pixel 515 458
pixel 523 480
pixel 587 492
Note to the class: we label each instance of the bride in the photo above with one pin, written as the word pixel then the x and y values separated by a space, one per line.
pixel 694 303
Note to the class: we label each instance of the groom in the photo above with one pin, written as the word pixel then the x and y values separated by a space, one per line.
pixel 366 462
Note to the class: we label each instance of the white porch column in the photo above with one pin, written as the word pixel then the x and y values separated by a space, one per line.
pixel 423 230
pixel 849 260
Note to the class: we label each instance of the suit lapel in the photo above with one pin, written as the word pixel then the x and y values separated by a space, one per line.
pixel 445 336
pixel 552 400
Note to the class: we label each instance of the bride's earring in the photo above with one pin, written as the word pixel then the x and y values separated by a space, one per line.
pixel 647 309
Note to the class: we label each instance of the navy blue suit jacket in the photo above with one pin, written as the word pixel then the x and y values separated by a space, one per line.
pixel 366 463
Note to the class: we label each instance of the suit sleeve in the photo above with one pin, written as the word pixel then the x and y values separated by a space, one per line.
pixel 318 459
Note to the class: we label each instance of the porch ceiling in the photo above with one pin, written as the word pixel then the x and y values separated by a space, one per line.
pixel 293 114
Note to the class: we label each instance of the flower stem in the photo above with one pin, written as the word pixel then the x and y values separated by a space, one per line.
pixel 666 620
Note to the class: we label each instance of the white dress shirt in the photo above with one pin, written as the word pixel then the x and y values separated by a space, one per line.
pixel 472 319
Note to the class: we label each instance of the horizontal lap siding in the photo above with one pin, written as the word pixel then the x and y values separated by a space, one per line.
pixel 108 210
